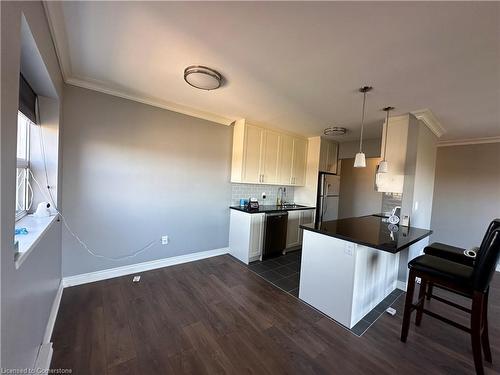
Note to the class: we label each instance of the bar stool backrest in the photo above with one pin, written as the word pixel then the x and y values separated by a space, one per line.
pixel 486 261
pixel 495 223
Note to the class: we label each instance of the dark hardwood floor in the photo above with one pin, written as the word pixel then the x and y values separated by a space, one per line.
pixel 216 316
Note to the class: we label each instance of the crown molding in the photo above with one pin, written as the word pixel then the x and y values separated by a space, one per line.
pixel 428 118
pixel 55 19
pixel 179 108
pixel 469 141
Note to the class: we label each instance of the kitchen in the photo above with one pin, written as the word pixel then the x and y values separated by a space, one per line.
pixel 323 207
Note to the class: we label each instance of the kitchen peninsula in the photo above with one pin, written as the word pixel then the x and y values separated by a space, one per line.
pixel 351 265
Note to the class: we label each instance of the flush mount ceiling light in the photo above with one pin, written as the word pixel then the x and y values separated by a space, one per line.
pixel 335 131
pixel 202 77
pixel 360 160
pixel 383 167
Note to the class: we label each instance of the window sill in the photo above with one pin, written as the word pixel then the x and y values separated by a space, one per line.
pixel 25 243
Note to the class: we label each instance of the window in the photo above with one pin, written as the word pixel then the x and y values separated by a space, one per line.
pixel 24 194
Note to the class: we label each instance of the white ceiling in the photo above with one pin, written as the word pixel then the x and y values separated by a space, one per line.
pixel 293 65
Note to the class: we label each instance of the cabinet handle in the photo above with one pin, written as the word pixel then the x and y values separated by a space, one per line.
pixel 262 178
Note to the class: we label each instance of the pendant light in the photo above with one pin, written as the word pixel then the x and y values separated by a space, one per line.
pixel 360 160
pixel 383 167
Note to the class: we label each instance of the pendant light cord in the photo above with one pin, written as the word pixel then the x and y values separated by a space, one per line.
pixel 362 122
pixel 386 131
pixel 387 110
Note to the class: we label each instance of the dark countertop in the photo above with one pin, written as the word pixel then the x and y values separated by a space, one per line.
pixel 372 231
pixel 267 209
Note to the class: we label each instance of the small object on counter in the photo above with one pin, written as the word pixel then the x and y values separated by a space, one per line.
pixel 243 202
pixel 19 231
pixel 405 220
pixel 395 215
pixel 253 204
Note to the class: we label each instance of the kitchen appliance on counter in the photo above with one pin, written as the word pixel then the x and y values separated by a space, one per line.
pixel 327 201
pixel 275 227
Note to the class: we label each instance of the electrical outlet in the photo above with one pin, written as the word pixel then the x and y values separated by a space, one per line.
pixel 164 240
pixel 136 279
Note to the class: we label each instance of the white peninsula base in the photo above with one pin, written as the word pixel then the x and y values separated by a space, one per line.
pixel 345 280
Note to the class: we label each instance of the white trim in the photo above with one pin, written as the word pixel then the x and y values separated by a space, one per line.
pixel 43 359
pixel 55 19
pixel 37 227
pixel 428 118
pixel 53 314
pixel 401 285
pixel 104 88
pixel 140 267
pixel 469 141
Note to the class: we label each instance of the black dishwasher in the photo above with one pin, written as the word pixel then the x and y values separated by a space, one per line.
pixel 274 234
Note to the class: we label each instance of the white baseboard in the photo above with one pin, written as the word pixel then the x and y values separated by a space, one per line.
pixel 42 363
pixel 53 314
pixel 44 356
pixel 140 267
pixel 401 285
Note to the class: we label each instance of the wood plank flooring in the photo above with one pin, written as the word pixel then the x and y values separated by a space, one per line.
pixel 215 316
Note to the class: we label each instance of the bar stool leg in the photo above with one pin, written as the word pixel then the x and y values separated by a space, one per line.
pixel 476 324
pixel 421 301
pixel 429 291
pixel 408 306
pixel 484 336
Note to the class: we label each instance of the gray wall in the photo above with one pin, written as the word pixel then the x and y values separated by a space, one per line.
pixel 371 148
pixel 466 193
pixel 357 189
pixel 27 294
pixel 133 173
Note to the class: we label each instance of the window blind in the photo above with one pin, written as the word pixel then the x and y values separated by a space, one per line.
pixel 27 99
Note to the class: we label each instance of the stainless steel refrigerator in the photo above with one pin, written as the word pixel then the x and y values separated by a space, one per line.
pixel 327 201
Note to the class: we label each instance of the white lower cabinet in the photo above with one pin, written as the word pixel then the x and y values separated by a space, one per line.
pixel 246 235
pixel 295 220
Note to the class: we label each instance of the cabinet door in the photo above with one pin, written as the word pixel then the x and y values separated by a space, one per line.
pixel 328 156
pixel 286 160
pixel 306 217
pixel 299 161
pixel 256 236
pixel 292 232
pixel 253 153
pixel 270 158
pixel 331 159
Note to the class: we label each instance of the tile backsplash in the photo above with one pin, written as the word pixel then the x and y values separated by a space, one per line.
pixel 391 200
pixel 246 191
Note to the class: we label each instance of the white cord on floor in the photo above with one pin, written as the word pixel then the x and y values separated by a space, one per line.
pixel 82 243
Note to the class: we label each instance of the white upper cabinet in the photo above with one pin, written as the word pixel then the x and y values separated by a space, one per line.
pixel 253 154
pixel 286 160
pixel 264 156
pixel 299 163
pixel 328 156
pixel 270 157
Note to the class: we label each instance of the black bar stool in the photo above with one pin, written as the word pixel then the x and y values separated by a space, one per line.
pixel 472 282
pixel 455 254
